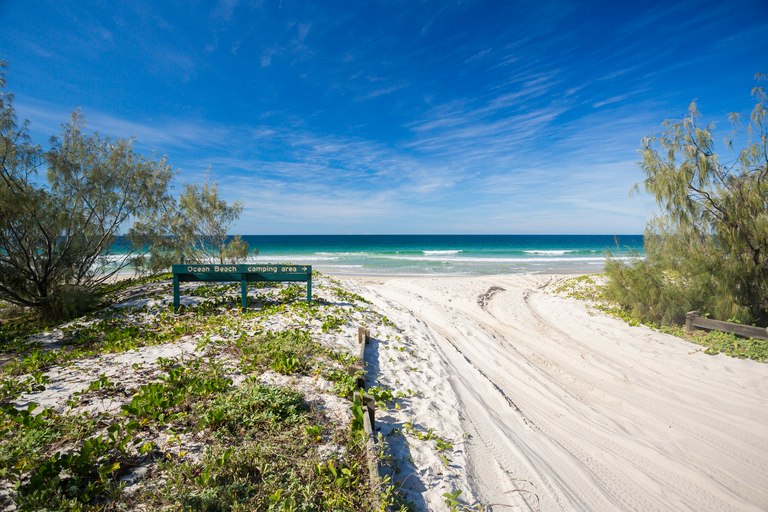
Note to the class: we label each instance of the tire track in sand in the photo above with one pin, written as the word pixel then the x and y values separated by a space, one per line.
pixel 570 462
pixel 496 442
pixel 701 429
pixel 696 425
pixel 618 490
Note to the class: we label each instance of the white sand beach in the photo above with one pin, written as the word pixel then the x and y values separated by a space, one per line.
pixel 552 407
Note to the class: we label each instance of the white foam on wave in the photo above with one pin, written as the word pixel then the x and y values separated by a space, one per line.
pixel 344 254
pixel 566 259
pixel 294 258
pixel 441 252
pixel 552 252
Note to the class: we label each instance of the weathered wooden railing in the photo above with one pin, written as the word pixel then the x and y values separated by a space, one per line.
pixel 369 412
pixel 694 321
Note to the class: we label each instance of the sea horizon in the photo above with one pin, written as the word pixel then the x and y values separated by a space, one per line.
pixel 444 255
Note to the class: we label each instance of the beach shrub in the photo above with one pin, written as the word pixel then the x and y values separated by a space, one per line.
pixel 69 301
pixel 708 249
pixel 64 237
pixel 64 234
pixel 194 230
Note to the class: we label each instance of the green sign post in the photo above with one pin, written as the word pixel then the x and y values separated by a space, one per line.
pixel 244 273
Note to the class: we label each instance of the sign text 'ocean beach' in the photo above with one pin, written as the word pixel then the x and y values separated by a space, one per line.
pixel 243 273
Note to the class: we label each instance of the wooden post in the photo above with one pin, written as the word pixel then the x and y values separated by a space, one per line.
pixel 369 408
pixel 369 424
pixel 689 318
pixel 243 292
pixel 176 299
pixel 362 354
pixel 373 459
pixel 697 322
pixel 309 287
pixel 362 334
pixel 352 370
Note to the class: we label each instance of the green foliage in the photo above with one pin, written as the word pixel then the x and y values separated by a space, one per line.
pixel 332 323
pixel 87 476
pixel 344 384
pixel 358 413
pixel 348 296
pixel 286 363
pixel 192 231
pixel 647 294
pixel 285 352
pixel 587 289
pixel 161 401
pixel 255 407
pixel 210 218
pixel 62 235
pixel 10 388
pixel 291 292
pixel 69 301
pixel 381 395
pixel 580 287
pixel 717 342
pixel 24 436
pixel 263 457
pixel 708 251
pixel 263 441
pixel 452 499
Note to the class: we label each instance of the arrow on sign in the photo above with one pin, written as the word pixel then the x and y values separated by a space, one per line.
pixel 305 269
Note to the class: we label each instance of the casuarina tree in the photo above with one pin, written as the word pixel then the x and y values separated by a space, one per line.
pixel 708 248
pixel 57 240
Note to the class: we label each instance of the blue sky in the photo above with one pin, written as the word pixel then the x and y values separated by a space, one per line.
pixel 388 116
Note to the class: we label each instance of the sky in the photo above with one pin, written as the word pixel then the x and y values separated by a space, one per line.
pixel 420 117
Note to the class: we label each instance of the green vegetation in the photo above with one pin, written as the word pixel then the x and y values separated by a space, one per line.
pixel 206 432
pixel 589 289
pixel 708 250
pixel 59 243
pixel 192 231
pixel 55 240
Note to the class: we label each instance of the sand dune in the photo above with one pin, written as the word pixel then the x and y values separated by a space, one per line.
pixel 566 410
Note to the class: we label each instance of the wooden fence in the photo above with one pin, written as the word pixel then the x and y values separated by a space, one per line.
pixel 694 321
pixel 369 413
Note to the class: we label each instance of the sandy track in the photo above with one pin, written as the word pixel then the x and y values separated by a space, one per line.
pixel 569 411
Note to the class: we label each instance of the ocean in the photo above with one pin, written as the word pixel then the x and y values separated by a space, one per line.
pixel 441 255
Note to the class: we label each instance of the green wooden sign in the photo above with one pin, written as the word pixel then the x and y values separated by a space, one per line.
pixel 248 273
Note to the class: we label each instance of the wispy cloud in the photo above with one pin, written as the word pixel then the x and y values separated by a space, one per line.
pixel 390 117
pixel 478 55
pixel 612 99
pixel 154 134
pixel 224 10
pixel 385 90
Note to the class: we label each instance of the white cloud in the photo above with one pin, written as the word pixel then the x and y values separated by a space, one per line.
pixel 612 99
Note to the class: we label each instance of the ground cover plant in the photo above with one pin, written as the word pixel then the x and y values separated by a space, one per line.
pixel 590 289
pixel 216 408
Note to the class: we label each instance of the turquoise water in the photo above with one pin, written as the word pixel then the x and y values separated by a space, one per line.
pixel 420 255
